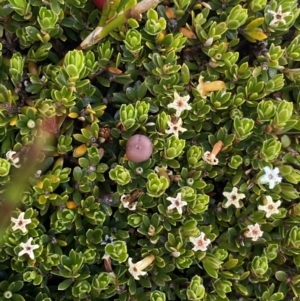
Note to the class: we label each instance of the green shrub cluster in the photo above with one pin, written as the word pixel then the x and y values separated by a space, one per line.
pixel 213 214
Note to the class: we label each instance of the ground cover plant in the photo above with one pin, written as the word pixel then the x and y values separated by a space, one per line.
pixel 150 150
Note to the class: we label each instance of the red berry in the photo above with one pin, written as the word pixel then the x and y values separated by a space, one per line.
pixel 99 3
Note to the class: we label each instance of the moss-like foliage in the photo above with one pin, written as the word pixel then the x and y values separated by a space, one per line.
pixel 213 214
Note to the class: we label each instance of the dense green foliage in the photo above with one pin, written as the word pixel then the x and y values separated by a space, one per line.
pixel 213 215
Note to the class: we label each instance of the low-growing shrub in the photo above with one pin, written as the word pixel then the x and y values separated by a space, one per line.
pixel 206 208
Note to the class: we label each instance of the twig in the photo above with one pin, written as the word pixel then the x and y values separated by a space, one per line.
pixel 102 31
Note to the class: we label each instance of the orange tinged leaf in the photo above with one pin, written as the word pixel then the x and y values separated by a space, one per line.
pixel 160 37
pixel 170 13
pixel 13 121
pixel 79 151
pixel 73 115
pixel 187 33
pixel 59 162
pixel 71 205
pixel 114 70
pixel 32 68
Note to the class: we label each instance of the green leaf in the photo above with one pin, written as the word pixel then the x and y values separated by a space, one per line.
pixel 210 271
pixel 281 276
pixel 17 297
pixel 15 286
pixel 132 286
pixel 65 284
pixel 55 7
pixel 230 264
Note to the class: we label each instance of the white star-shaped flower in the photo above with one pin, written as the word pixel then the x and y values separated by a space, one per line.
pixel 175 127
pixel 210 158
pixel 136 269
pixel 28 248
pixel 233 198
pixel 270 207
pixel 270 177
pixel 14 160
pixel 200 243
pixel 20 223
pixel 177 203
pixel 278 16
pixel 125 199
pixel 163 171
pixel 180 104
pixel 254 232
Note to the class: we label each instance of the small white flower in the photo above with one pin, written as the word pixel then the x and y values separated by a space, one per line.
pixel 136 269
pixel 177 203
pixel 10 155
pixel 162 170
pixel 107 239
pixel 233 198
pixel 210 158
pixel 200 243
pixel 270 207
pixel 270 177
pixel 37 174
pixel 180 104
pixel 278 16
pixel 20 222
pixel 254 232
pixel 126 202
pixel 27 248
pixel 175 127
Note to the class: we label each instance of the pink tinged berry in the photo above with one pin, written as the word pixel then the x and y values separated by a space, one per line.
pixel 99 3
pixel 139 148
